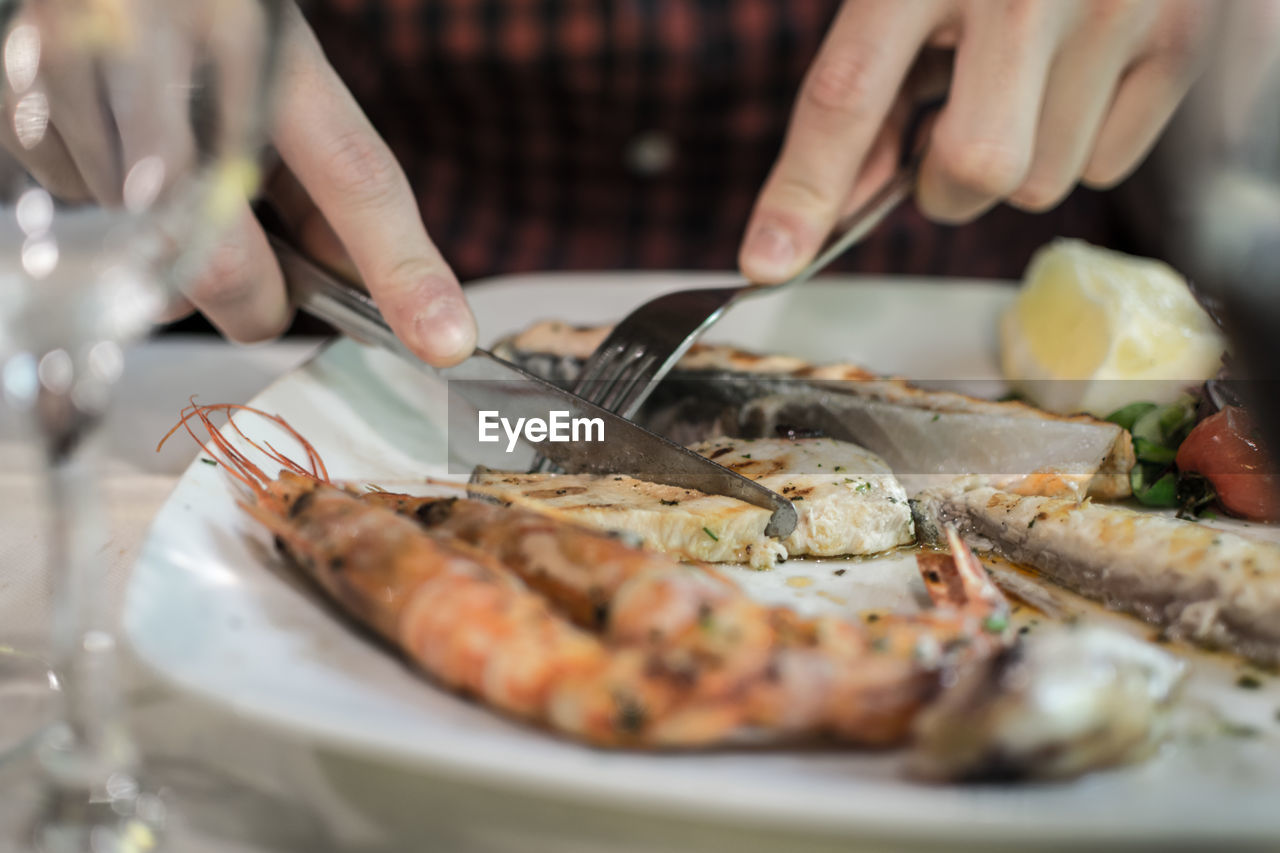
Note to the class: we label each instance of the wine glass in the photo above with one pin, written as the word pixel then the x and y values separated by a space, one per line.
pixel 127 144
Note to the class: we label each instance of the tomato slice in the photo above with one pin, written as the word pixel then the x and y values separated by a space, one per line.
pixel 1224 448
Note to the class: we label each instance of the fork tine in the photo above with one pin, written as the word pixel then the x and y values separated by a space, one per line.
pixel 596 366
pixel 638 393
pixel 636 373
pixel 601 388
pixel 610 365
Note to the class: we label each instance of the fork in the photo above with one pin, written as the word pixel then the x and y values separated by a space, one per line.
pixel 643 348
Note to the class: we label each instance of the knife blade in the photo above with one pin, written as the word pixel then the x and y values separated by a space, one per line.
pixel 489 383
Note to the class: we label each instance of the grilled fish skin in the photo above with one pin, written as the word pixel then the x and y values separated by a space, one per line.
pixel 1210 587
pixel 847 501
pixel 922 434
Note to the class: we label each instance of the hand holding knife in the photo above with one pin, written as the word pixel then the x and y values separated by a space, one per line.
pixel 490 383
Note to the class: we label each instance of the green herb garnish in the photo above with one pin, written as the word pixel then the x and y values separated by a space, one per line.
pixel 1157 432
pixel 1126 417
pixel 208 461
pixel 707 530
pixel 1169 424
pixel 1248 682
pixel 1149 451
pixel 1163 492
pixel 995 623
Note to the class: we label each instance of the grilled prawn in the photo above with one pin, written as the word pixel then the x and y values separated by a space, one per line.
pixel 476 596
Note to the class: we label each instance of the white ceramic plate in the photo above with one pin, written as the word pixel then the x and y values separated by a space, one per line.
pixel 211 608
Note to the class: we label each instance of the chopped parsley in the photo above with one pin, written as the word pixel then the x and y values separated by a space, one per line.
pixel 839 468
pixel 864 486
pixel 668 503
pixel 935 417
pixel 1248 682
pixel 995 623
pixel 208 461
pixel 707 530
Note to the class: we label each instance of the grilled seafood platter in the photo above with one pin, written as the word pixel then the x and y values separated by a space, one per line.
pixel 613 611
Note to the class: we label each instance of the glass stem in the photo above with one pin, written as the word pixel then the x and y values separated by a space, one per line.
pixel 86 754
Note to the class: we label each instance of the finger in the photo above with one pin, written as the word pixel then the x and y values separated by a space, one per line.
pixel 352 177
pixel 79 108
pixel 26 131
pixel 980 148
pixel 317 235
pixel 38 147
pixel 179 308
pixel 235 45
pixel 1080 89
pixel 1145 101
pixel 150 103
pixel 881 160
pixel 839 111
pixel 307 225
pixel 241 289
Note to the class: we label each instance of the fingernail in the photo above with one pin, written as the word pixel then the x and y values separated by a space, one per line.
pixel 445 330
pixel 770 254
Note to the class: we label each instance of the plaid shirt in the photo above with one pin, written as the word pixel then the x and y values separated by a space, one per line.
pixel 589 134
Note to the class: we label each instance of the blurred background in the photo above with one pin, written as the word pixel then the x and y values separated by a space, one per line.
pixel 635 136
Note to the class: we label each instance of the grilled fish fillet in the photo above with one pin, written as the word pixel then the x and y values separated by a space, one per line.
pixel 921 433
pixel 846 499
pixel 1213 588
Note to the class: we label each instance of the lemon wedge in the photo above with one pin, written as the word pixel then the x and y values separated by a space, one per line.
pixel 1092 330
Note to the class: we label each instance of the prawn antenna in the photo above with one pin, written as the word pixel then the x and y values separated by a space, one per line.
pixel 235 461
